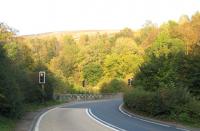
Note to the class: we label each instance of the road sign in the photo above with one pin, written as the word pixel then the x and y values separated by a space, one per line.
pixel 41 77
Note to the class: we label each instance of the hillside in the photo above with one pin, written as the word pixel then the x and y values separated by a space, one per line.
pixel 76 33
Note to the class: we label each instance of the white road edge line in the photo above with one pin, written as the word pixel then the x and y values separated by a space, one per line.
pixel 182 129
pixel 40 118
pixel 120 109
pixel 100 121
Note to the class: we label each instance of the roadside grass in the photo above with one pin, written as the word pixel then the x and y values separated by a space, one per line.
pixel 36 106
pixel 8 124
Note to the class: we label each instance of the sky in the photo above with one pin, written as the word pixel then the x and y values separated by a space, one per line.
pixel 40 16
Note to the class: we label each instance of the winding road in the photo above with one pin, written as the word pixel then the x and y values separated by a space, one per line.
pixel 102 115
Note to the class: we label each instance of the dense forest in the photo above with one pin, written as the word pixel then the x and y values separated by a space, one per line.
pixel 162 61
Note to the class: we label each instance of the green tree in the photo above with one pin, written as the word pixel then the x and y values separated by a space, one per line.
pixel 165 45
pixel 119 66
pixel 68 39
pixel 126 32
pixel 146 36
pixel 10 103
pixel 6 33
pixel 125 45
pixel 65 64
pixel 20 55
pixel 92 73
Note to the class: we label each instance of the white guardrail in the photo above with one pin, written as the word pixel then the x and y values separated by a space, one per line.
pixel 84 97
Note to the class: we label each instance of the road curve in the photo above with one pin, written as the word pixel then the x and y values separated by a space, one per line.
pixel 103 115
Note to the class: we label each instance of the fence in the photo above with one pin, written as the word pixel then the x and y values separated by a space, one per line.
pixel 85 97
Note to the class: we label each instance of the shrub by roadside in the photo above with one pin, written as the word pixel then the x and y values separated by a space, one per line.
pixel 113 86
pixel 7 124
pixel 171 104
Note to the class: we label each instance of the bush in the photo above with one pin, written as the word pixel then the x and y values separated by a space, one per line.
pixel 189 74
pixel 12 105
pixel 113 86
pixel 11 98
pixel 139 100
pixel 192 108
pixel 171 84
pixel 170 100
pixel 184 117
pixel 172 103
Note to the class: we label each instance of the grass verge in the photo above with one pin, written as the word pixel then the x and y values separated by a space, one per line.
pixel 30 107
pixel 8 124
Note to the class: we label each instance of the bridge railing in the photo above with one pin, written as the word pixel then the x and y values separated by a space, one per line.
pixel 85 97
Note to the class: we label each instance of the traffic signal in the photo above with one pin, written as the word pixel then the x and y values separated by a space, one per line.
pixel 83 83
pixel 41 77
pixel 129 82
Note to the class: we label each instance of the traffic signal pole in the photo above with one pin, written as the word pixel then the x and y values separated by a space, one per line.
pixel 42 82
pixel 43 93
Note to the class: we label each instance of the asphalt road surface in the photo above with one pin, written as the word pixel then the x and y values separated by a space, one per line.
pixel 101 115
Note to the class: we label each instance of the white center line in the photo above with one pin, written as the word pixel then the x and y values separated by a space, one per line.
pixel 100 121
